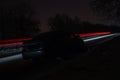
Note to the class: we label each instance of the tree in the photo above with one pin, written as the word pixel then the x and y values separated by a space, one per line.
pixel 64 23
pixel 110 9
pixel 17 21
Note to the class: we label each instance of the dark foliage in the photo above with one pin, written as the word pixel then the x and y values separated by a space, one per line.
pixel 74 25
pixel 110 9
pixel 16 21
pixel 64 23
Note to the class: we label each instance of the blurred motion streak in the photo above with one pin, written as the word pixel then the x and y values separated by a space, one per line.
pixel 10 44
pixel 92 34
pixel 20 41
pixel 15 40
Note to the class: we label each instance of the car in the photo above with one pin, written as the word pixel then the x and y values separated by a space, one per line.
pixel 52 46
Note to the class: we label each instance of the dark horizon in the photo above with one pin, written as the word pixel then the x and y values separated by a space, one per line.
pixel 47 8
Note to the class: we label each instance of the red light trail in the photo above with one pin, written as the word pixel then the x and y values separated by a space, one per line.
pixel 11 44
pixel 15 40
pixel 92 34
pixel 20 41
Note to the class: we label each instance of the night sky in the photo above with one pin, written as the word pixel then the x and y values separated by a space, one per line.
pixel 81 8
pixel 46 8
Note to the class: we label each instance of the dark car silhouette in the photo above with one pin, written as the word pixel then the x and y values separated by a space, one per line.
pixel 51 46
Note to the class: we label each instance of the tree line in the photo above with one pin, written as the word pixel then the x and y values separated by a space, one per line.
pixel 17 22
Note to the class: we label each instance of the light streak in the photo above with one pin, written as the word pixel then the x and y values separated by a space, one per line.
pixel 10 44
pixel 15 40
pixel 92 34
